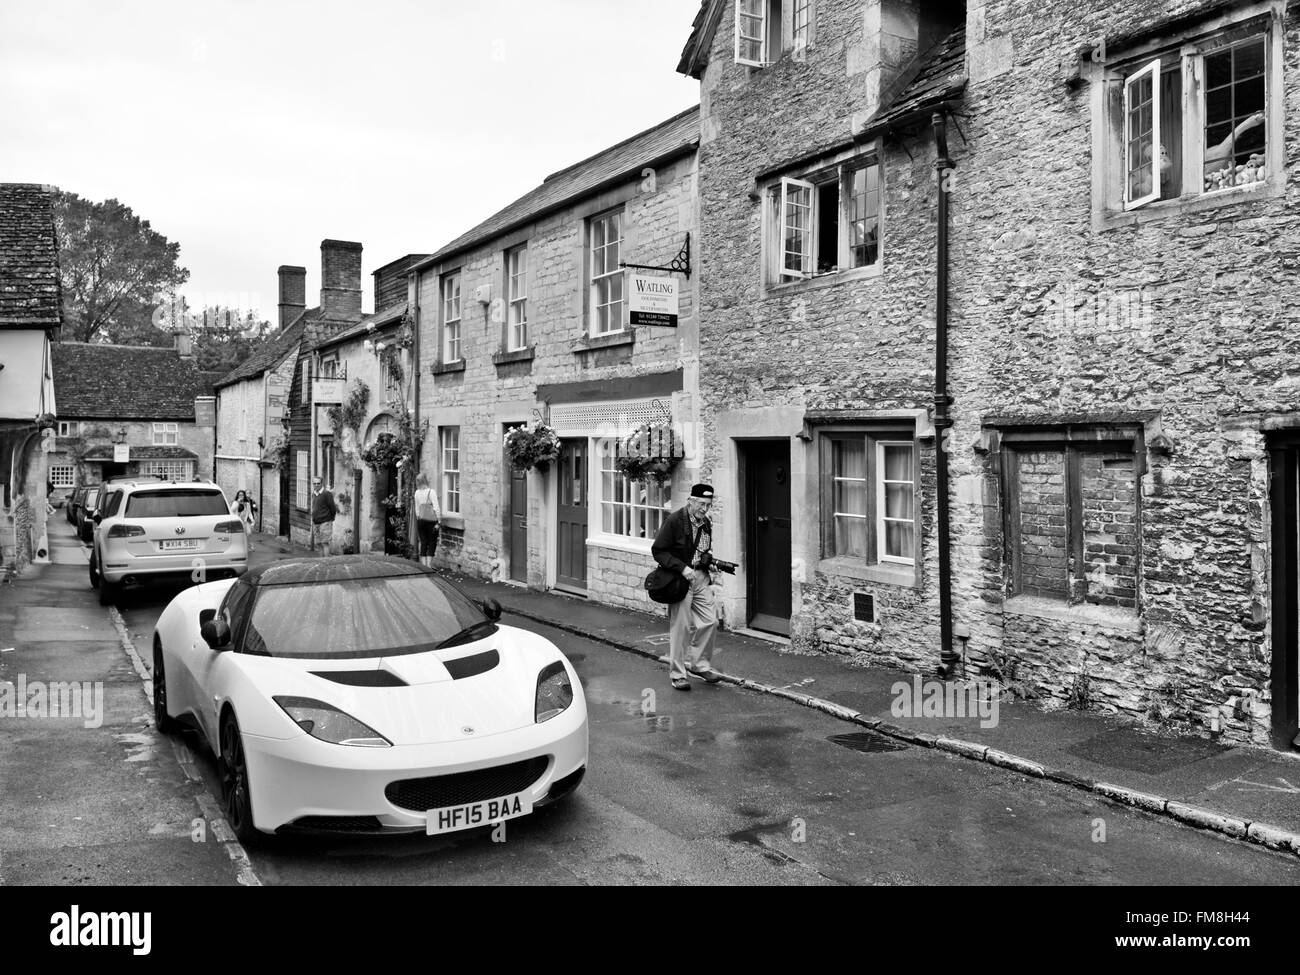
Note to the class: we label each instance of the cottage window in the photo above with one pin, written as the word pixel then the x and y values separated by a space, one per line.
pixel 301 475
pixel 1071 513
pixel 517 299
pixel 325 464
pixel 606 236
pixel 169 470
pixel 165 434
pixel 69 428
pixel 762 32
pixel 449 448
pixel 1192 119
pixel 869 496
pixel 63 475
pixel 827 222
pixel 628 509
pixel 451 317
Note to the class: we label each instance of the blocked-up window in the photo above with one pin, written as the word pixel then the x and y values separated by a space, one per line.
pixel 1072 522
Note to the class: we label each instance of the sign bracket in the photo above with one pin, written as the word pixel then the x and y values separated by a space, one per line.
pixel 682 262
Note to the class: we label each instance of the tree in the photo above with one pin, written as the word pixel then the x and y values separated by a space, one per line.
pixel 113 266
pixel 225 337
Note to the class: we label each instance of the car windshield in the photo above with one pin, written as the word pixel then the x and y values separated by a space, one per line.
pixel 91 497
pixel 380 617
pixel 176 503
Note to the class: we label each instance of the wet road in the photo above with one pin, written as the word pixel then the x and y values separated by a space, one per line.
pixel 721 785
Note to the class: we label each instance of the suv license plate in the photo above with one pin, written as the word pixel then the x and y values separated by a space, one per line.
pixel 175 544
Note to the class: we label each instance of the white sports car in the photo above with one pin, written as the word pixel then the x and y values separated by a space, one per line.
pixel 365 694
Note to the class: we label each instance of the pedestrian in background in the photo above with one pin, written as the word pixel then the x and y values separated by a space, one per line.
pixel 427 519
pixel 682 543
pixel 245 509
pixel 323 510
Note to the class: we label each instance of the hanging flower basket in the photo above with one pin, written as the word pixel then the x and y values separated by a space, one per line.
pixel 537 447
pixel 649 453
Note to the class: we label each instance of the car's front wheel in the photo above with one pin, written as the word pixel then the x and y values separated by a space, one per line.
pixel 165 723
pixel 235 795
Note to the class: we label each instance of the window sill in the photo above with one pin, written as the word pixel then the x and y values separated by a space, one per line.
pixel 442 368
pixel 1038 607
pixel 637 546
pixel 455 522
pixel 1108 219
pixel 517 355
pixel 825 280
pixel 608 341
pixel 889 574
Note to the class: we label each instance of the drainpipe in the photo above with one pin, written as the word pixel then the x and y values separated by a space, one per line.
pixel 415 406
pixel 942 421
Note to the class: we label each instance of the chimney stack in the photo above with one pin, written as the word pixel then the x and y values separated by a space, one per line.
pixel 293 293
pixel 340 280
pixel 183 344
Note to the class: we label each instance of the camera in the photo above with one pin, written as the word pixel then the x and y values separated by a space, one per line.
pixel 707 561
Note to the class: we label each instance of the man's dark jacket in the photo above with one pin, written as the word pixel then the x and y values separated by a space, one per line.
pixel 674 545
pixel 323 508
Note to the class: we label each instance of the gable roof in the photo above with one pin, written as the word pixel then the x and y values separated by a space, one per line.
pixel 124 382
pixel 625 160
pixel 268 356
pixel 30 295
pixel 380 319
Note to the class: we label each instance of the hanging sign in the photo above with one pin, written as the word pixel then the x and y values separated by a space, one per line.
pixel 652 300
pixel 121 453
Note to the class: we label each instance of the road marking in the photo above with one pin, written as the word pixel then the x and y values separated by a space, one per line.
pixel 245 875
pixel 1285 787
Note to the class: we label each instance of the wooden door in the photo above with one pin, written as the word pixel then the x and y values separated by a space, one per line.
pixel 518 525
pixel 571 517
pixel 767 561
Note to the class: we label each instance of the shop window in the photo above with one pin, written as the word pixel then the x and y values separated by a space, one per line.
pixel 628 509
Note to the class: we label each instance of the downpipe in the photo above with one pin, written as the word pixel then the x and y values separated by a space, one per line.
pixel 942 420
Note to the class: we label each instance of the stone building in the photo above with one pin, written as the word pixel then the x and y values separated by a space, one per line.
pixel 993 341
pixel 31 315
pixel 127 409
pixel 251 409
pixel 525 320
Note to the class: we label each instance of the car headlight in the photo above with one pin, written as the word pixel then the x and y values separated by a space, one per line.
pixel 554 692
pixel 328 723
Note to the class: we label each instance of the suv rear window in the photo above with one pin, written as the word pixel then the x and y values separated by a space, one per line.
pixel 176 503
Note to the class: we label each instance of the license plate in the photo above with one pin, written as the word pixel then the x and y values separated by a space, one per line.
pixel 478 813
pixel 174 544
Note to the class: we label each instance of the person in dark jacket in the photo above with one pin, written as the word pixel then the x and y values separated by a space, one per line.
pixel 685 537
pixel 323 510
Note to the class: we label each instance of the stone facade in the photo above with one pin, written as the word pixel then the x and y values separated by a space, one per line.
pixel 588 387
pixel 1162 328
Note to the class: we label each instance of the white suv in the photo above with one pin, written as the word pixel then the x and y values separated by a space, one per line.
pixel 162 531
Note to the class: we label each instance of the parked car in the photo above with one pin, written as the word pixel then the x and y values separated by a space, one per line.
pixel 73 499
pixel 366 694
pixel 85 510
pixel 150 531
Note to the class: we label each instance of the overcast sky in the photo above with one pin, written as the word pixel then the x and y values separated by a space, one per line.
pixel 248 132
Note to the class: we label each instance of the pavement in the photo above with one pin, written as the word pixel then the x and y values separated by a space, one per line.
pixel 108 794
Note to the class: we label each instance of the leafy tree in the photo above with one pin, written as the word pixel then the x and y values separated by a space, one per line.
pixel 225 337
pixel 114 267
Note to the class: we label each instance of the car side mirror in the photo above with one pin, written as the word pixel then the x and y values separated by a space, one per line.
pixel 491 609
pixel 216 633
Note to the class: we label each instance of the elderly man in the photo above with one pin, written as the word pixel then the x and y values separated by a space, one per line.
pixel 323 510
pixel 683 541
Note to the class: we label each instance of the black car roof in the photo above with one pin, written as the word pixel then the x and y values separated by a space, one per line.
pixel 334 568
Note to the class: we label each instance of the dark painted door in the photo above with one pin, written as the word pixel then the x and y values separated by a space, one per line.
pixel 571 517
pixel 1284 497
pixel 356 511
pixel 284 499
pixel 518 525
pixel 767 567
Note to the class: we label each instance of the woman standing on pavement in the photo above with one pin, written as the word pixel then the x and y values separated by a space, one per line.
pixel 245 509
pixel 427 517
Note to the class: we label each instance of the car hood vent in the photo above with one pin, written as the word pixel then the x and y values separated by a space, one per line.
pixel 474 664
pixel 361 678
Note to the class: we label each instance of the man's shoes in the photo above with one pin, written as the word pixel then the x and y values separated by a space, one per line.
pixel 710 676
pixel 681 684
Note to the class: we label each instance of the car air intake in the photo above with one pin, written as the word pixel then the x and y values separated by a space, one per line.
pixel 361 678
pixel 475 663
pixel 438 791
